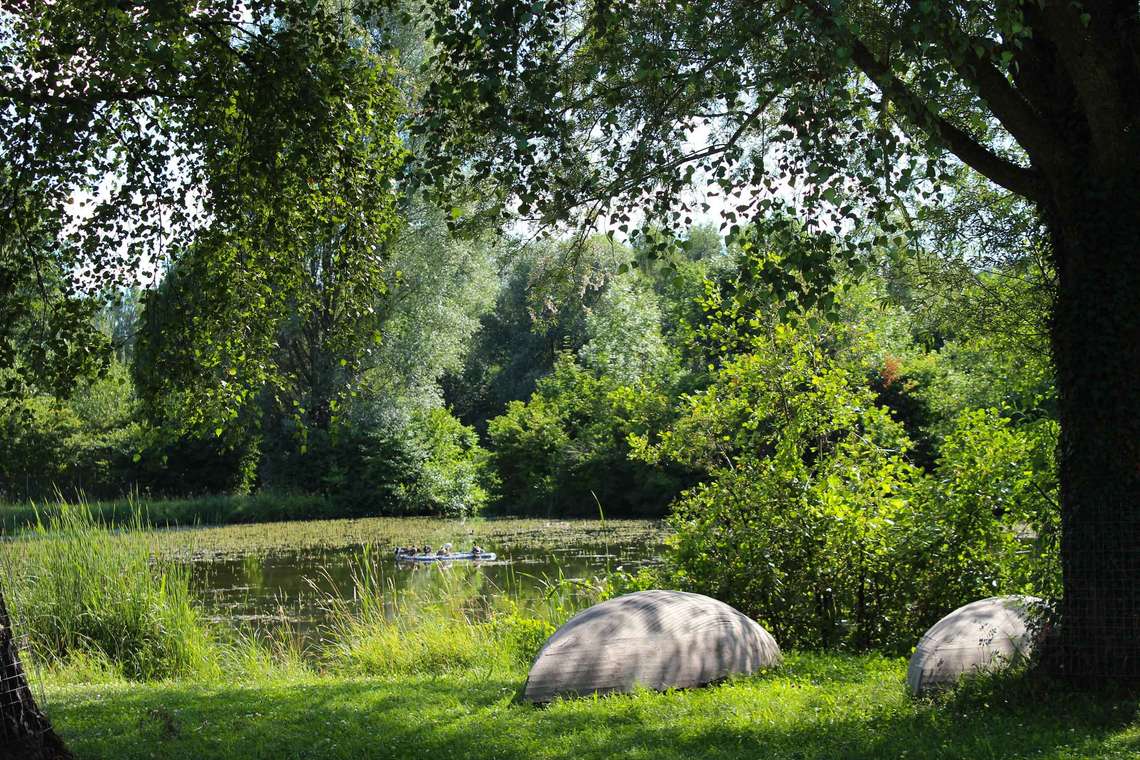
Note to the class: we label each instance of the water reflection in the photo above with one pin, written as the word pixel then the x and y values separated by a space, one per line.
pixel 283 584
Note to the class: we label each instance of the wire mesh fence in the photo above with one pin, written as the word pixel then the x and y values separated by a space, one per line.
pixel 22 697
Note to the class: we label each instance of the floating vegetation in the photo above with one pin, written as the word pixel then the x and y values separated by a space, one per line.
pixel 521 534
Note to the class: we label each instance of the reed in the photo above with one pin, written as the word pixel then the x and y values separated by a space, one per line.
pixel 82 592
pixel 102 601
pixel 457 621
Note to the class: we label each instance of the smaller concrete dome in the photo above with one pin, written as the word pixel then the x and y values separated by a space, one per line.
pixel 655 639
pixel 987 634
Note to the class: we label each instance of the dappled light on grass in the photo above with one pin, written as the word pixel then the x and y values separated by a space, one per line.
pixel 817 706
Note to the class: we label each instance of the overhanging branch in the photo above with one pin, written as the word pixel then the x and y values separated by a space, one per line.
pixel 1022 180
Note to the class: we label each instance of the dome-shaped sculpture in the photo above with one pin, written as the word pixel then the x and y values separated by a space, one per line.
pixel 983 635
pixel 655 639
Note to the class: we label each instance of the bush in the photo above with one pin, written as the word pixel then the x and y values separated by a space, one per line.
pixel 92 446
pixel 386 462
pixel 813 519
pixel 84 445
pixel 806 549
pixel 567 449
pixel 986 522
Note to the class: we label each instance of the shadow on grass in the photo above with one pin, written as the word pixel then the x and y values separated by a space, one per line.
pixel 460 717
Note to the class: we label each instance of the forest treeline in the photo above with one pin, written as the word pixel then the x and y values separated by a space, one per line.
pixel 815 460
pixel 557 379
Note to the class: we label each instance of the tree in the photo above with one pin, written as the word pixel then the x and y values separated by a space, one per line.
pixel 541 310
pixel 135 131
pixel 849 113
pixel 25 730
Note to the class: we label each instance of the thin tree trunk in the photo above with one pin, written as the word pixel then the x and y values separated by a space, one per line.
pixel 1096 334
pixel 25 732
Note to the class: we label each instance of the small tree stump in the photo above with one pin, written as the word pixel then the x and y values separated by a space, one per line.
pixel 654 639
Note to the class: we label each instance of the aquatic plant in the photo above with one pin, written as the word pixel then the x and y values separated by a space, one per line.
pixel 80 591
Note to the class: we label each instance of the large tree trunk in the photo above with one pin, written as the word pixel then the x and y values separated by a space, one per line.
pixel 1095 224
pixel 25 733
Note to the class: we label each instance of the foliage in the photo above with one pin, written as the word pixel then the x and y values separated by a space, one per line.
pixel 566 450
pixel 438 286
pixel 812 515
pixel 806 476
pixel 548 292
pixel 85 445
pixel 93 445
pixel 387 461
pixel 991 521
pixel 624 334
pixel 230 131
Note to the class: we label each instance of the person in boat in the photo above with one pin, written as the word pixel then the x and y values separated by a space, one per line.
pixel 426 549
pixel 476 550
pixel 444 550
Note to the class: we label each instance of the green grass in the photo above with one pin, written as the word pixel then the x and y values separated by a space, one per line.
pixel 81 592
pixel 201 510
pixel 816 706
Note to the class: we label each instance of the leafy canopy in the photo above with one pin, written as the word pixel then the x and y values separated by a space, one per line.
pixel 238 134
pixel 844 113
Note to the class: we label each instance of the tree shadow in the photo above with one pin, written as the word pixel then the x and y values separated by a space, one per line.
pixel 434 717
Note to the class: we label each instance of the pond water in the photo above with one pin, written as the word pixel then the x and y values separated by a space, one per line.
pixel 268 574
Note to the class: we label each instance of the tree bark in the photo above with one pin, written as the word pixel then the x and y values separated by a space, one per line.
pixel 1094 219
pixel 25 733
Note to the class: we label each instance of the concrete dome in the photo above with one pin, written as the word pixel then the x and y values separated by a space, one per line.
pixel 984 635
pixel 655 639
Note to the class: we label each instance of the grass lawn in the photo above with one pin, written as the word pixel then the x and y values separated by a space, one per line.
pixel 816 706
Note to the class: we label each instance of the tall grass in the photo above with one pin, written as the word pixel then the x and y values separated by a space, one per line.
pixel 196 510
pixel 81 592
pixel 458 621
pixel 98 602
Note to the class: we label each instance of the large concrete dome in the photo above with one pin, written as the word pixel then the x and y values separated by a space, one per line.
pixel 655 639
pixel 984 635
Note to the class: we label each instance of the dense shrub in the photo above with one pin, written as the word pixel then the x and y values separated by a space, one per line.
pixel 566 450
pixel 85 444
pixel 986 522
pixel 383 461
pixel 814 520
pixel 93 445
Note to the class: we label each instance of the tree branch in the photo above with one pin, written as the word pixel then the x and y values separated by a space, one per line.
pixel 1017 179
pixel 1009 105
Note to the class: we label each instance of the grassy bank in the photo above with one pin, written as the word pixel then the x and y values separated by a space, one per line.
pixel 96 600
pixel 831 706
pixel 130 669
pixel 199 510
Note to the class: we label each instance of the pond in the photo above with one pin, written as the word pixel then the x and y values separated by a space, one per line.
pixel 264 575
